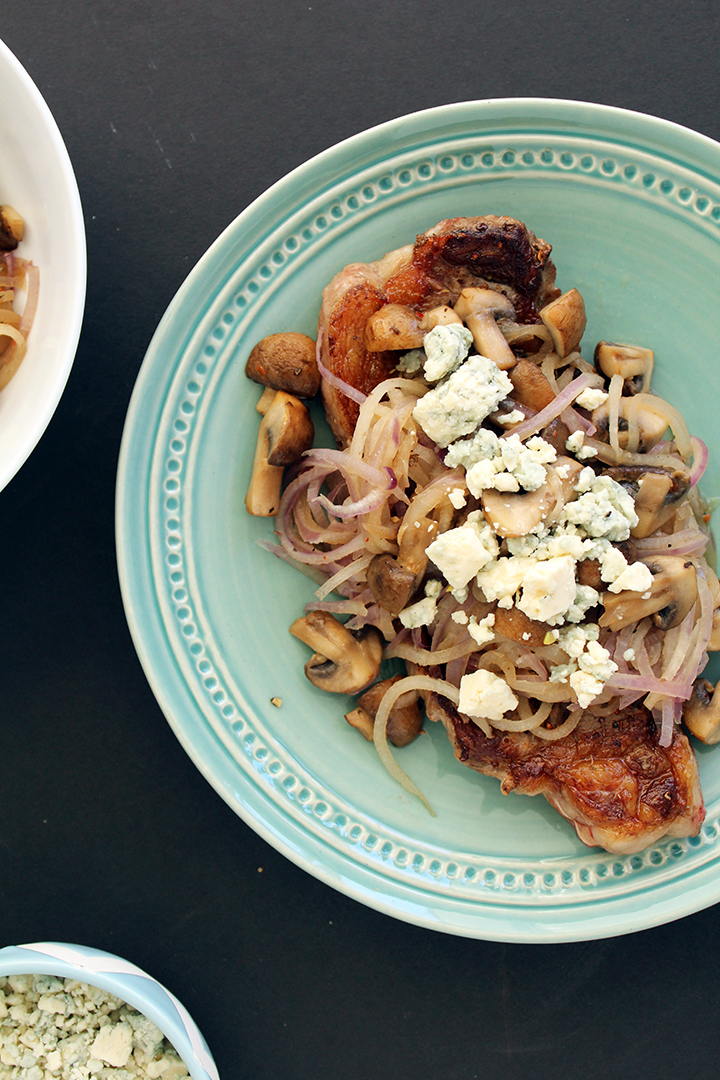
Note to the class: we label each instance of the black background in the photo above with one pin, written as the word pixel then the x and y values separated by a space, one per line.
pixel 176 115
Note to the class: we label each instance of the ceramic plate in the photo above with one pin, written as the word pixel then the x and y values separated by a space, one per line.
pixel 631 205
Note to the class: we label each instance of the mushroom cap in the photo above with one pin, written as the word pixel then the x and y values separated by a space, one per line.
pixel 343 662
pixel 518 513
pixel 530 386
pixel 290 429
pixel 405 718
pixel 286 361
pixel 633 362
pixel 657 493
pixel 565 318
pixel 12 228
pixel 701 713
pixel 395 327
pixel 391 584
pixel 672 595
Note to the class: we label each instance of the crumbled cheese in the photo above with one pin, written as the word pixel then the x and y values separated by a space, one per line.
pixel 460 553
pixel 502 578
pixel 422 612
pixel 459 404
pixel 457 498
pixel 445 348
pixel 636 578
pixel 629 655
pixel 590 665
pixel 485 694
pixel 460 617
pixel 505 464
pixel 509 419
pixel 63 1029
pixel 548 589
pixel 481 632
pixel 586 687
pixel 591 398
pixel 605 509
pixel 411 362
pixel 575 444
pixel 585 598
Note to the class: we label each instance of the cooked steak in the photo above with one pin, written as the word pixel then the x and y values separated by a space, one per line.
pixel 494 252
pixel 609 777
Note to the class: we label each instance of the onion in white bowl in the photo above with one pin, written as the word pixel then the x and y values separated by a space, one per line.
pixel 37 180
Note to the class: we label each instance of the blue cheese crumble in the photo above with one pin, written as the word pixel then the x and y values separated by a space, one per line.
pixel 485 694
pixel 445 349
pixel 505 464
pixel 460 403
pixel 65 1029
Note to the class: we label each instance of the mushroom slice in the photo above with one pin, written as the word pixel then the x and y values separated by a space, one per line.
pixel 633 362
pixel 397 326
pixel 290 429
pixel 657 493
pixel 671 596
pixel 393 326
pixel 390 583
pixel 405 719
pixel 518 513
pixel 478 309
pixel 343 662
pixel 285 361
pixel 286 432
pixel 516 625
pixel 701 714
pixel 566 320
pixel 530 386
pixel 642 422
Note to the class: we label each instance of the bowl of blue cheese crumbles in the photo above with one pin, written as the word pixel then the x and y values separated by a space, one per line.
pixel 75 1013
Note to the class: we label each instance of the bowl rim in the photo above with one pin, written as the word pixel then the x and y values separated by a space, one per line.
pixel 124 980
pixel 78 261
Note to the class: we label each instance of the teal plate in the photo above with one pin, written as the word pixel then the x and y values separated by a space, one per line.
pixel 631 205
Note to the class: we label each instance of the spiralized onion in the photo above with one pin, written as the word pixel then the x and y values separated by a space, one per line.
pixel 396 690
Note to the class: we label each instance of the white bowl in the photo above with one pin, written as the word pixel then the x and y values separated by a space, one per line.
pixel 127 982
pixel 37 179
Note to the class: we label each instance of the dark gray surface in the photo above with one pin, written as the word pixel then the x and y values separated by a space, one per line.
pixel 176 115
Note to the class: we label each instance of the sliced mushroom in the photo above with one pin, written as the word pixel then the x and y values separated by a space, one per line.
pixel 405 719
pixel 657 493
pixel 633 362
pixel 397 326
pixel 641 420
pixel 671 596
pixel 286 432
pixel 285 361
pixel 516 625
pixel 478 309
pixel 343 662
pixel 12 228
pixel 566 320
pixel 518 513
pixel 530 386
pixel 414 537
pixel 701 714
pixel 557 434
pixel 390 583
